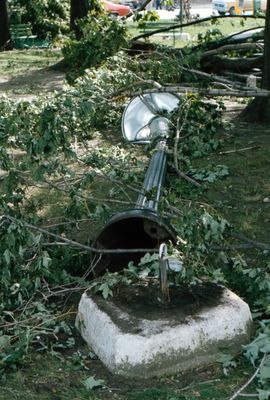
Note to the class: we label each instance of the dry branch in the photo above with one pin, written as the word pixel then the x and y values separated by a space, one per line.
pixel 265 246
pixel 238 392
pixel 238 64
pixel 211 77
pixel 72 242
pixel 208 92
pixel 239 150
pixel 234 47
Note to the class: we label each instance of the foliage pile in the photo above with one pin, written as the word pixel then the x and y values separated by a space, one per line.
pixel 52 201
pixel 101 37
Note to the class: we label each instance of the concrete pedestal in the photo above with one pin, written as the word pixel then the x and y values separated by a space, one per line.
pixel 133 346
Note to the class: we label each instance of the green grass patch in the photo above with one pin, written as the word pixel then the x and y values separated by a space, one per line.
pixel 227 26
pixel 242 196
pixel 18 62
pixel 62 377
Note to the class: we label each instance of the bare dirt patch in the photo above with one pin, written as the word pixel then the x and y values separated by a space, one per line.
pixel 28 84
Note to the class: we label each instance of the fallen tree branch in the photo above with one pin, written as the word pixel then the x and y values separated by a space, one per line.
pixel 211 77
pixel 243 246
pixel 239 150
pixel 208 92
pixel 72 242
pixel 217 63
pixel 242 77
pixel 255 28
pixel 234 47
pixel 265 246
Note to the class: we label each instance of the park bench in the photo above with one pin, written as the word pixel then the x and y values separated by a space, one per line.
pixel 151 26
pixel 21 36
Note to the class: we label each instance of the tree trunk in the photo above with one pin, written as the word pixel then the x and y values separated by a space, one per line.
pixel 78 9
pixel 4 26
pixel 259 109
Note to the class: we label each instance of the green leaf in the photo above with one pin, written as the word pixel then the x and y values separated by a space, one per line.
pixel 227 361
pixel 7 256
pixel 4 341
pixel 265 372
pixel 46 260
pixel 263 394
pixel 252 352
pixel 105 290
pixel 92 383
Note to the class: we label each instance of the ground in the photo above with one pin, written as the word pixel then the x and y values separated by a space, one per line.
pixel 243 197
pixel 25 73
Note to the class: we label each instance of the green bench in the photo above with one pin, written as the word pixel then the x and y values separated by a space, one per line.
pixel 151 26
pixel 21 36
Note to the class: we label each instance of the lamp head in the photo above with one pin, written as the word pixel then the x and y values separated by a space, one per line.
pixel 142 119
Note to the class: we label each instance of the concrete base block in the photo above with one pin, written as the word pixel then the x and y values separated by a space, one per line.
pixel 142 347
pixel 183 36
pixel 178 35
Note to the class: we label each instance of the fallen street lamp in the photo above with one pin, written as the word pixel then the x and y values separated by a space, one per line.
pixel 144 121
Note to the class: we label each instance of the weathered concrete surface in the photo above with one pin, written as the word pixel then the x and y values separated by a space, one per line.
pixel 160 347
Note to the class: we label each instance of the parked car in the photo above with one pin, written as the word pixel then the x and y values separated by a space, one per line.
pixel 117 10
pixel 236 7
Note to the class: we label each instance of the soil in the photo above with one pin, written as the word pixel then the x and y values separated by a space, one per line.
pixel 141 301
pixel 26 86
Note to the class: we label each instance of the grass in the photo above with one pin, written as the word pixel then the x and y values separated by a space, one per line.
pixel 25 73
pixel 226 26
pixel 48 377
pixel 18 62
pixel 244 193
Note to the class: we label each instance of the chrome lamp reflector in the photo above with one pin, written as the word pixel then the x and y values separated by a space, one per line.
pixel 142 111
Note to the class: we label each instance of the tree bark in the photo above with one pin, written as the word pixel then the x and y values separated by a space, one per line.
pixel 4 26
pixel 259 109
pixel 216 64
pixel 78 10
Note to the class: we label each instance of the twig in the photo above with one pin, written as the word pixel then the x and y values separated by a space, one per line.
pixel 74 222
pixel 90 198
pixel 260 245
pixel 245 246
pixel 208 92
pixel 176 164
pixel 197 384
pixel 140 82
pixel 237 393
pixel 76 244
pixel 211 77
pixel 237 150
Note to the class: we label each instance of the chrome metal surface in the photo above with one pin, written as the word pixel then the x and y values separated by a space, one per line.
pixel 141 111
